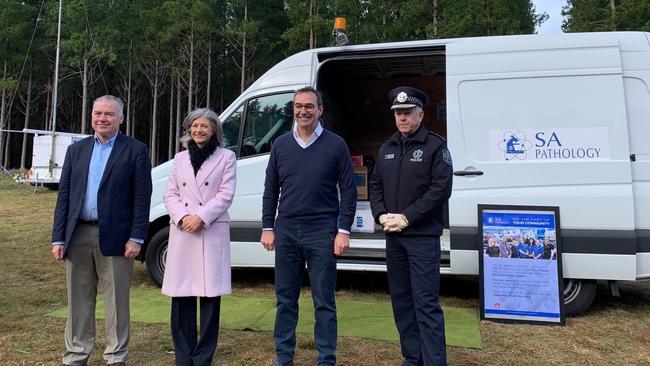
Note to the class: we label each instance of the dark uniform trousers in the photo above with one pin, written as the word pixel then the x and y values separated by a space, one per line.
pixel 413 264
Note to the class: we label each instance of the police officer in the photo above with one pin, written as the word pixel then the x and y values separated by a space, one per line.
pixel 408 189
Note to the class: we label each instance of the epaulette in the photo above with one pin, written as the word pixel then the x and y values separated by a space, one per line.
pixel 438 136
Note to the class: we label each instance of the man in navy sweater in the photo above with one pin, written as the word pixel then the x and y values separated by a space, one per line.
pixel 312 225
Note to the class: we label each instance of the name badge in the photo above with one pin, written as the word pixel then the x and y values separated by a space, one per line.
pixel 389 156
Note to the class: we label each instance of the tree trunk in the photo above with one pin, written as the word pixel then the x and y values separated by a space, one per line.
pixel 435 18
pixel 223 78
pixel 48 106
pixel 23 153
pixel 7 139
pixel 133 121
pixel 178 113
pixel 612 6
pixel 129 130
pixel 170 146
pixel 3 115
pixel 190 84
pixel 243 51
pixel 84 98
pixel 154 120
pixel 209 81
pixel 312 36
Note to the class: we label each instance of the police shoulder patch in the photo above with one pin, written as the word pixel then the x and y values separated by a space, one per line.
pixel 446 155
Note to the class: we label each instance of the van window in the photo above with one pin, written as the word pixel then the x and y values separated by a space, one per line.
pixel 267 118
pixel 231 129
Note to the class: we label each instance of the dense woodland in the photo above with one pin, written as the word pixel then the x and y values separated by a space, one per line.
pixel 165 57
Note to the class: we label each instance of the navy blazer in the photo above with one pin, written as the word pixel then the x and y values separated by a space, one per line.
pixel 123 197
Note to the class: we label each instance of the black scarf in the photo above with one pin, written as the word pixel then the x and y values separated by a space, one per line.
pixel 198 155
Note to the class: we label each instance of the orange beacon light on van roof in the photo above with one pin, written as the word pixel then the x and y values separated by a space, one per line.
pixel 338 33
pixel 340 24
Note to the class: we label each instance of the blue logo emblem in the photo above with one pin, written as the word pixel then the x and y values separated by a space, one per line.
pixel 514 145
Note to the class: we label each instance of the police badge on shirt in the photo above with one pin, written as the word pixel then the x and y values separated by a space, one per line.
pixel 417 156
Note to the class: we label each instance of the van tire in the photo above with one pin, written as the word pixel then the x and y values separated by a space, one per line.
pixel 578 295
pixel 156 255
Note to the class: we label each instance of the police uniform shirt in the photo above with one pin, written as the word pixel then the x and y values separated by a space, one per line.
pixel 413 176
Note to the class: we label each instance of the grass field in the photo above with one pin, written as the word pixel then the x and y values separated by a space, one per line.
pixel 616 331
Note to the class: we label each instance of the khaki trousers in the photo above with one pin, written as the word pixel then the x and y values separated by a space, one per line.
pixel 89 271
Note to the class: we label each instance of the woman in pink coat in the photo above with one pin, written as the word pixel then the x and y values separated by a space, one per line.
pixel 200 191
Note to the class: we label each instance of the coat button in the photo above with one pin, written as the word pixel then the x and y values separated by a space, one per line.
pixel 206 183
pixel 183 184
pixel 185 204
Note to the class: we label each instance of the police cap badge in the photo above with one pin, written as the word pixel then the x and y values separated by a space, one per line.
pixel 407 97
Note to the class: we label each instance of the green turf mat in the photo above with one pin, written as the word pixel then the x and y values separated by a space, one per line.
pixel 372 320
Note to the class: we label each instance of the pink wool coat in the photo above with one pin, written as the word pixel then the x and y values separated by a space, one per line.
pixel 198 264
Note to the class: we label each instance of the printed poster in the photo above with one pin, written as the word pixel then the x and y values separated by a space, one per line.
pixel 520 264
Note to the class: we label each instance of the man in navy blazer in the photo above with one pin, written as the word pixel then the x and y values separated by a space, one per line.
pixel 100 222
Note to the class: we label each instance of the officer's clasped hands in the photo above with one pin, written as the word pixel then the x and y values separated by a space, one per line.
pixel 393 222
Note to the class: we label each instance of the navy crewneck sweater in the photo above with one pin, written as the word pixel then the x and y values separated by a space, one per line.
pixel 305 181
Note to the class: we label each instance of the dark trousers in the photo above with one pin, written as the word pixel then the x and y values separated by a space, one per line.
pixel 294 248
pixel 413 265
pixel 188 351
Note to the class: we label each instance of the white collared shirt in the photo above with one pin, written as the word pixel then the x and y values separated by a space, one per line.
pixel 311 139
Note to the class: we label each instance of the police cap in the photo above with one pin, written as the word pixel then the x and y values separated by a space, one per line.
pixel 407 97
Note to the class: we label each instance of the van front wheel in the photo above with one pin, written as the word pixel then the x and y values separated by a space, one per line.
pixel 157 255
pixel 578 295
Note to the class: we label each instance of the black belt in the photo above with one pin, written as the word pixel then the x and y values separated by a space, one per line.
pixel 89 222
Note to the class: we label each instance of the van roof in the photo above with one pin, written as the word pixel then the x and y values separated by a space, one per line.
pixel 297 69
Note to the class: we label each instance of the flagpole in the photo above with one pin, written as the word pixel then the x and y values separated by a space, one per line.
pixel 56 69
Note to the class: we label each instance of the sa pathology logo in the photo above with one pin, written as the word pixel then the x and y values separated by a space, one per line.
pixel 494 220
pixel 514 145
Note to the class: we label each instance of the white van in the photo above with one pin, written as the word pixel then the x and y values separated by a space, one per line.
pixel 577 104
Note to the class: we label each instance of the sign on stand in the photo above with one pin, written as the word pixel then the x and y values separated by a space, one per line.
pixel 520 264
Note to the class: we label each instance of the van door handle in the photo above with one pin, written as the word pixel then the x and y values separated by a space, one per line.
pixel 463 173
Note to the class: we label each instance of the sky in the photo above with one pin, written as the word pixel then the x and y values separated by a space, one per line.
pixel 553 9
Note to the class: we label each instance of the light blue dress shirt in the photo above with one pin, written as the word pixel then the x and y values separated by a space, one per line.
pixel 98 160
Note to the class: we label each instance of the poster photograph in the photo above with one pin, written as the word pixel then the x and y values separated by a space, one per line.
pixel 520 264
